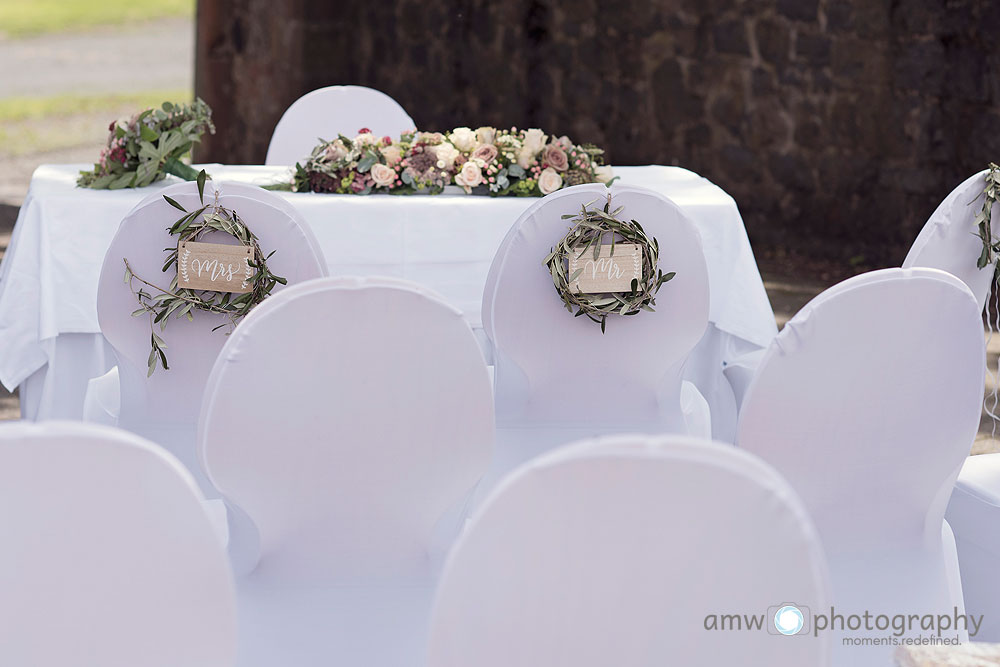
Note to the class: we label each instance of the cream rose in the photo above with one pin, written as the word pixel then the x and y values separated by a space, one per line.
pixel 383 175
pixel 463 138
pixel 531 146
pixel 486 135
pixel 549 181
pixel 470 176
pixel 445 154
pixel 392 154
pixel 603 173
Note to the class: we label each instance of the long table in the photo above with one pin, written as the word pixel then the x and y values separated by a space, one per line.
pixel 50 341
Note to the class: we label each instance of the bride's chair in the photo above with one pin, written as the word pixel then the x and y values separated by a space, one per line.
pixel 345 423
pixel 558 378
pixel 628 551
pixel 164 407
pixel 868 402
pixel 327 112
pixel 108 558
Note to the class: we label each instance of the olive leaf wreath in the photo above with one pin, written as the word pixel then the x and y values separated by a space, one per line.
pixel 180 302
pixel 590 227
pixel 985 233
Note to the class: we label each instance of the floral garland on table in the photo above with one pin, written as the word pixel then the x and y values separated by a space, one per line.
pixel 590 228
pixel 515 162
pixel 148 146
pixel 181 302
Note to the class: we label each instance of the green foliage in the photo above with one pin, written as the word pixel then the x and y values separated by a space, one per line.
pixel 149 146
pixel 991 249
pixel 591 228
pixel 160 304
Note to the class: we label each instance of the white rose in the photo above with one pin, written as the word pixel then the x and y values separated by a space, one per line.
pixel 392 154
pixel 603 173
pixel 486 135
pixel 549 181
pixel 534 139
pixel 463 138
pixel 470 176
pixel 445 154
pixel 383 175
pixel 366 139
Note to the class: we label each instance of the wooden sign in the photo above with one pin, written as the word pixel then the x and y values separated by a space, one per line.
pixel 214 266
pixel 606 273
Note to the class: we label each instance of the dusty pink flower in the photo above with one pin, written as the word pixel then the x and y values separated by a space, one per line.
pixel 487 153
pixel 556 157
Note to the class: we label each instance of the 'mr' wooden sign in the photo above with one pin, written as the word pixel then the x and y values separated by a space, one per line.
pixel 214 266
pixel 606 273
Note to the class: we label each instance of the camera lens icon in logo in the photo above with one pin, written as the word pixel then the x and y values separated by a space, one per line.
pixel 789 620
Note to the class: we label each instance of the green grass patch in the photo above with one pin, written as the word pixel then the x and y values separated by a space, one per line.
pixel 22 18
pixel 28 108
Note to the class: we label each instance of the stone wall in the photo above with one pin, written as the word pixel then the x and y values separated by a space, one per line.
pixel 837 125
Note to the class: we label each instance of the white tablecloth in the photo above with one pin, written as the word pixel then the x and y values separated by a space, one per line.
pixel 49 275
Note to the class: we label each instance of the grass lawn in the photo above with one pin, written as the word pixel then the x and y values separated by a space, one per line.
pixel 40 124
pixel 21 18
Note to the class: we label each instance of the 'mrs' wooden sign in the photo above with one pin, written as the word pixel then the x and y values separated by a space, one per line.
pixel 590 275
pixel 214 266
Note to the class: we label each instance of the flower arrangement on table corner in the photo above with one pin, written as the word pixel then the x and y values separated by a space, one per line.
pixel 148 146
pixel 486 160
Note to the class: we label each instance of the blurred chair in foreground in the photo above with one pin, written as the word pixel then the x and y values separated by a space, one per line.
pixel 621 551
pixel 346 468
pixel 868 402
pixel 108 558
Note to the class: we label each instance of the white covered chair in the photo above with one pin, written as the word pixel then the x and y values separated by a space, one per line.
pixel 948 240
pixel 108 558
pixel 347 471
pixel 868 402
pixel 558 377
pixel 620 551
pixel 165 407
pixel 327 112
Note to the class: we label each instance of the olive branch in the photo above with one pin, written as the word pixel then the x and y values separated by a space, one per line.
pixel 159 303
pixel 985 233
pixel 591 226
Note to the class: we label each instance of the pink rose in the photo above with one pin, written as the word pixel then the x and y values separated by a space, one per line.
pixel 556 157
pixel 487 153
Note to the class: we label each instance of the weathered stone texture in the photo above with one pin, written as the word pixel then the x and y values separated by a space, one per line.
pixel 837 125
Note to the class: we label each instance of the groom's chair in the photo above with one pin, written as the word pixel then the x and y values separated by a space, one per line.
pixel 327 112
pixel 558 377
pixel 108 557
pixel 345 423
pixel 868 402
pixel 630 550
pixel 164 407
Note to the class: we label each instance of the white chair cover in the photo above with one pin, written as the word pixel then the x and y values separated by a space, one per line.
pixel 331 111
pixel 344 464
pixel 974 515
pixel 948 240
pixel 868 402
pixel 618 551
pixel 165 407
pixel 558 376
pixel 108 557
